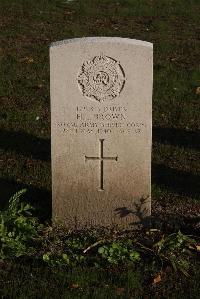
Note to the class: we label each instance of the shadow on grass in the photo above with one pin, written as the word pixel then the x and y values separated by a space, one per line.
pixel 181 182
pixel 39 198
pixel 166 222
pixel 26 144
pixel 40 148
pixel 178 137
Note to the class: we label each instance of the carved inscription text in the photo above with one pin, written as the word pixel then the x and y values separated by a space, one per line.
pixel 98 120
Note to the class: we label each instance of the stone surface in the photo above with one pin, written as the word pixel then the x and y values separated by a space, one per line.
pixel 101 93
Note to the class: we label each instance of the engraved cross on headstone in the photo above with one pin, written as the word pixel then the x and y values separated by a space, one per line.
pixel 101 159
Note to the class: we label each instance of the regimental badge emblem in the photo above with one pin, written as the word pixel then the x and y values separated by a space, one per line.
pixel 101 79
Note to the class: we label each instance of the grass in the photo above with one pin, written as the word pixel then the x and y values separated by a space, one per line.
pixel 28 28
pixel 39 282
pixel 42 282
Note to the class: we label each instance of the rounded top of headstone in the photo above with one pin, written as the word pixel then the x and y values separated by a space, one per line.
pixel 103 40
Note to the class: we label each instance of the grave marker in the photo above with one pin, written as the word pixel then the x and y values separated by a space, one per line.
pixel 101 90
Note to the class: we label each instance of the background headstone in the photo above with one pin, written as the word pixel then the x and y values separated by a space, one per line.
pixel 101 115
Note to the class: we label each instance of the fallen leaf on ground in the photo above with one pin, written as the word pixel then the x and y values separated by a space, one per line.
pixel 39 86
pixel 68 12
pixel 27 60
pixel 198 247
pixel 198 90
pixel 120 291
pixel 157 279
pixel 74 286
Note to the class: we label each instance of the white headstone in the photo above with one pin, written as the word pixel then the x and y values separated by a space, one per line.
pixel 101 116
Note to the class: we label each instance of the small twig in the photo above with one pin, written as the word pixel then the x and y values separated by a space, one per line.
pixel 94 245
pixel 146 248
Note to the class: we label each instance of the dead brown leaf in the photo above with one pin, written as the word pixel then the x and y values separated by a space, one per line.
pixel 74 286
pixel 39 86
pixel 198 90
pixel 157 279
pixel 68 12
pixel 120 291
pixel 27 60
pixel 198 247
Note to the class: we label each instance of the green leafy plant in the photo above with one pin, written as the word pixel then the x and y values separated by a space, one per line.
pixel 73 253
pixel 176 250
pixel 56 260
pixel 18 227
pixel 63 259
pixel 70 253
pixel 118 252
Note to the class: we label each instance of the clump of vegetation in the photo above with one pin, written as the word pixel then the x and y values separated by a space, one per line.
pixel 119 252
pixel 60 251
pixel 67 252
pixel 20 232
pixel 79 250
pixel 18 228
pixel 175 249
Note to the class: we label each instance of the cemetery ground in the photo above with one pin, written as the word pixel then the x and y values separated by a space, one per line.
pixel 41 262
